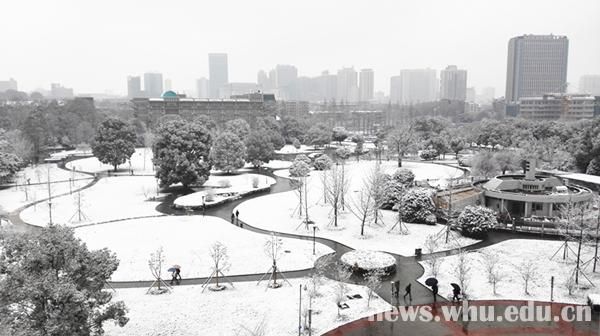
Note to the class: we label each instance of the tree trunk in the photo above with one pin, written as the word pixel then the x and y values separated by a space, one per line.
pixel 115 168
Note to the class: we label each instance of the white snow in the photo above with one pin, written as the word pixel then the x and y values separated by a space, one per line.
pixel 240 184
pixel 283 212
pixel 512 253
pixel 141 163
pixel 15 197
pixel 289 149
pixel 186 241
pixel 187 311
pixel 368 260
pixel 109 199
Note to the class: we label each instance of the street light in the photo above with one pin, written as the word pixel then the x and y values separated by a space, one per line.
pixel 300 312
pixel 314 238
pixel 203 206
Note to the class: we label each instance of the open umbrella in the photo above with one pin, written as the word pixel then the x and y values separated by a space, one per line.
pixel 431 282
pixel 455 287
pixel 174 268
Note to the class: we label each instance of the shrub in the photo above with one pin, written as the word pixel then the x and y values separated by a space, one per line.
pixel 296 143
pixel 429 154
pixel 209 195
pixel 323 162
pixel 416 206
pixel 476 221
pixel 255 182
pixel 225 183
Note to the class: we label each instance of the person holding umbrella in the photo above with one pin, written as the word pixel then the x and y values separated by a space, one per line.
pixel 455 292
pixel 175 274
pixel 433 283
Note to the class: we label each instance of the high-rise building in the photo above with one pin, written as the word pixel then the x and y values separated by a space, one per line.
pixel 153 85
pixel 326 87
pixel 60 92
pixel 471 95
pixel 587 84
pixel 413 86
pixel 134 87
pixel 10 84
pixel 453 83
pixel 366 85
pixel 202 86
pixel 218 69
pixel 284 79
pixel 347 85
pixel 264 81
pixel 537 64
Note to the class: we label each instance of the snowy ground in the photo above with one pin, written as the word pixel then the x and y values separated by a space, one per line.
pixel 283 215
pixel 141 163
pixel 289 149
pixel 239 185
pixel 512 254
pixel 15 197
pixel 273 164
pixel 109 199
pixel 188 311
pixel 368 260
pixel 186 241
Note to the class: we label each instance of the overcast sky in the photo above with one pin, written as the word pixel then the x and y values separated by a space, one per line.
pixel 93 45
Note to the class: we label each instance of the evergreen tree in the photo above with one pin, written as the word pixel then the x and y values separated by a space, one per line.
pixel 228 153
pixel 258 149
pixel 114 142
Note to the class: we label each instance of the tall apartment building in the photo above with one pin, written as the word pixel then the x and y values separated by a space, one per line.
pixel 366 85
pixel 453 83
pixel 413 86
pixel 347 85
pixel 284 79
pixel 558 106
pixel 537 64
pixel 590 84
pixel 134 87
pixel 218 69
pixel 10 84
pixel 153 85
pixel 326 86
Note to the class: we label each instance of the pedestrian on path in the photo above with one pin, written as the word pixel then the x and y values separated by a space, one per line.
pixel 435 292
pixel 232 217
pixel 176 276
pixel 407 291
pixel 455 292
pixel 237 217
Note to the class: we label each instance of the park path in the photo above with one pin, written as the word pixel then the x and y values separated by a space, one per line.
pixel 408 267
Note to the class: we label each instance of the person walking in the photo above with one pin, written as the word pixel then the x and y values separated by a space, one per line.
pixel 232 217
pixel 237 217
pixel 435 292
pixel 455 292
pixel 407 291
pixel 176 276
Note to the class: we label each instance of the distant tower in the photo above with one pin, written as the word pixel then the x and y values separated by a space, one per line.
pixel 453 83
pixel 347 85
pixel 537 64
pixel 413 86
pixel 218 73
pixel 134 87
pixel 153 85
pixel 366 85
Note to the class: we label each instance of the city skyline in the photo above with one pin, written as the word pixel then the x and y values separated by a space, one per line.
pixel 478 46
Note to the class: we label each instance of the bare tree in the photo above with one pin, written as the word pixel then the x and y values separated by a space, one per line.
pixel 299 172
pixel 462 270
pixel 220 258
pixel 491 262
pixel 341 275
pixel 273 249
pixel 373 283
pixel 259 329
pixel 335 189
pixel 362 208
pixel 529 273
pixel 431 246
pixel 155 263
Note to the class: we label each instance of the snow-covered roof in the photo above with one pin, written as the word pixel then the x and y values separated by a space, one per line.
pixel 582 177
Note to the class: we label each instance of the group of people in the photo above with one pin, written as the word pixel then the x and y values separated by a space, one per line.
pixel 434 288
pixel 235 218
pixel 396 290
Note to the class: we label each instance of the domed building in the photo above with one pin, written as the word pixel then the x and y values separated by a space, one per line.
pixel 531 194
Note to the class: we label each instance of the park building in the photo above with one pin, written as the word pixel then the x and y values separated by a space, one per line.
pixel 247 107
pixel 558 106
pixel 530 194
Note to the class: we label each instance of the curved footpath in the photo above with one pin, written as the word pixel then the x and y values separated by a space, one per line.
pixel 408 267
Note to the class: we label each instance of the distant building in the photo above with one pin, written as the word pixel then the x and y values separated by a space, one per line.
pixel 218 73
pixel 589 84
pixel 558 106
pixel 202 86
pixel 347 85
pixel 134 87
pixel 233 89
pixel 153 85
pixel 487 95
pixel 366 85
pixel 263 80
pixel 326 87
pixel 413 86
pixel 537 64
pixel 284 79
pixel 10 84
pixel 471 95
pixel 60 92
pixel 249 107
pixel 453 83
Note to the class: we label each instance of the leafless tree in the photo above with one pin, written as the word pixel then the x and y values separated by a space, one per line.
pixel 434 262
pixel 155 263
pixel 220 258
pixel 362 208
pixel 259 329
pixel 336 186
pixel 462 270
pixel 529 273
pixel 341 275
pixel 373 283
pixel 492 262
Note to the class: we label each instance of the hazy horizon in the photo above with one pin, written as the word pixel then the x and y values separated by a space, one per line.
pixel 93 47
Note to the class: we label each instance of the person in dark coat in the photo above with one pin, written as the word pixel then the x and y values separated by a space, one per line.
pixel 435 292
pixel 232 217
pixel 407 291
pixel 176 276
pixel 456 293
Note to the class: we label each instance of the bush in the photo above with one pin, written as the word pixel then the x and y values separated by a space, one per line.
pixel 416 206
pixel 303 158
pixel 296 143
pixel 323 162
pixel 476 221
pixel 224 183
pixel 394 186
pixel 209 196
pixel 429 154
pixel 255 182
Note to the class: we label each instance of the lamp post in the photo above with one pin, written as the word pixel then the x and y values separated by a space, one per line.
pixel 314 238
pixel 203 206
pixel 300 312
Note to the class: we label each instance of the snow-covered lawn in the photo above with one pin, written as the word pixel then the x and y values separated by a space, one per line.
pixel 15 197
pixel 141 163
pixel 289 149
pixel 278 212
pixel 368 260
pixel 186 241
pixel 512 255
pixel 111 198
pixel 273 164
pixel 224 187
pixel 187 311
